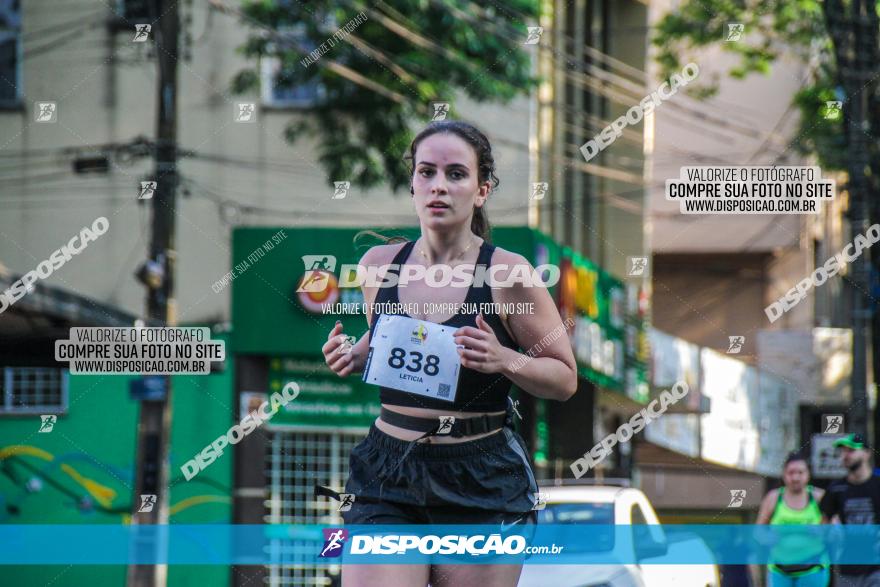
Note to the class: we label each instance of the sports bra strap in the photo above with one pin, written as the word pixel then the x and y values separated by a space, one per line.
pixel 402 254
pixel 485 257
pixel 810 498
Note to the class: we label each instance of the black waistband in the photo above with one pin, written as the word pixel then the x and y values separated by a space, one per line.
pixel 396 448
pixel 457 427
pixel 789 569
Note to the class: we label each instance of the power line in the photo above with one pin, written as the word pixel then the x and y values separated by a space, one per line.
pixel 336 67
pixel 78 204
pixel 420 39
pixel 137 145
pixel 85 21
pixel 635 90
pixel 18 181
pixel 636 94
pixel 54 44
pixel 221 200
pixel 605 74
pixel 257 164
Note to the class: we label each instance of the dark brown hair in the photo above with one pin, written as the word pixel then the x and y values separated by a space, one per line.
pixel 796 456
pixel 485 171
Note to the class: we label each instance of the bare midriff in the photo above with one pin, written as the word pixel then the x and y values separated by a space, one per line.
pixel 408 435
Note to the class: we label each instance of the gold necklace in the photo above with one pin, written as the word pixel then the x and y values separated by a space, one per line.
pixel 422 252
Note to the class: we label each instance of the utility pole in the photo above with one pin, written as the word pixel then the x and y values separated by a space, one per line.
pixel 852 39
pixel 154 424
pixel 870 53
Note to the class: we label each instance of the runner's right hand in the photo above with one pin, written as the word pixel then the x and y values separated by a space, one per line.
pixel 341 363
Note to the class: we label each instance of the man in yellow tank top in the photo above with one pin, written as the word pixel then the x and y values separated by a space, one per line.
pixel 795 503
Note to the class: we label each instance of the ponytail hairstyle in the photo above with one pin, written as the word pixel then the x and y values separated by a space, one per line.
pixel 485 171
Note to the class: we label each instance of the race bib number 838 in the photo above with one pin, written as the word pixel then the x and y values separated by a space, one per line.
pixel 415 356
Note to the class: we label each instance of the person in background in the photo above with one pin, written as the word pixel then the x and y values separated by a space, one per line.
pixel 795 503
pixel 854 499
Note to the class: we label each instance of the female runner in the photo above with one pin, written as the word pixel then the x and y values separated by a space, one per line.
pixel 413 467
pixel 796 503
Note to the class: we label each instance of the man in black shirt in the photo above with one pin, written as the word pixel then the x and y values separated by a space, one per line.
pixel 854 500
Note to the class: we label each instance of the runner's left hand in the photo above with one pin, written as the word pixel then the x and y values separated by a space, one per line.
pixel 483 352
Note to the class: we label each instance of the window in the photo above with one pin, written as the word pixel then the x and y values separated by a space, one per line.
pixel 637 516
pixel 10 52
pixel 595 521
pixel 278 82
pixel 33 390
pixel 577 513
pixel 296 461
pixel 647 537
pixel 134 9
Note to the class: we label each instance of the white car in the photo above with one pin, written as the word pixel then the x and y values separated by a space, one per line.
pixel 591 504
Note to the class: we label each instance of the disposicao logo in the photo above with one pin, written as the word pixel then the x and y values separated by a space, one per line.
pixel 334 541
pixel 318 285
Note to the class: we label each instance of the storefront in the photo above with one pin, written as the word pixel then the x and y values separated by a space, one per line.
pixel 309 441
pixel 729 434
pixel 611 348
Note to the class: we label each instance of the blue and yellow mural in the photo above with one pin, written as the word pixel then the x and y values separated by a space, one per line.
pixel 82 472
pixel 83 492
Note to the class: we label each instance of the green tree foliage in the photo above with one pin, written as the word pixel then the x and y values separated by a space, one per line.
pixel 770 28
pixel 405 56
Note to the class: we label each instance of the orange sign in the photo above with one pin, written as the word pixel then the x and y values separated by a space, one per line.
pixel 579 290
pixel 313 301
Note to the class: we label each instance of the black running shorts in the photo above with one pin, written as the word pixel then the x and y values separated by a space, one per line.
pixel 484 481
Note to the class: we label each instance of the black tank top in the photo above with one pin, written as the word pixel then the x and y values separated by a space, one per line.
pixel 477 392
